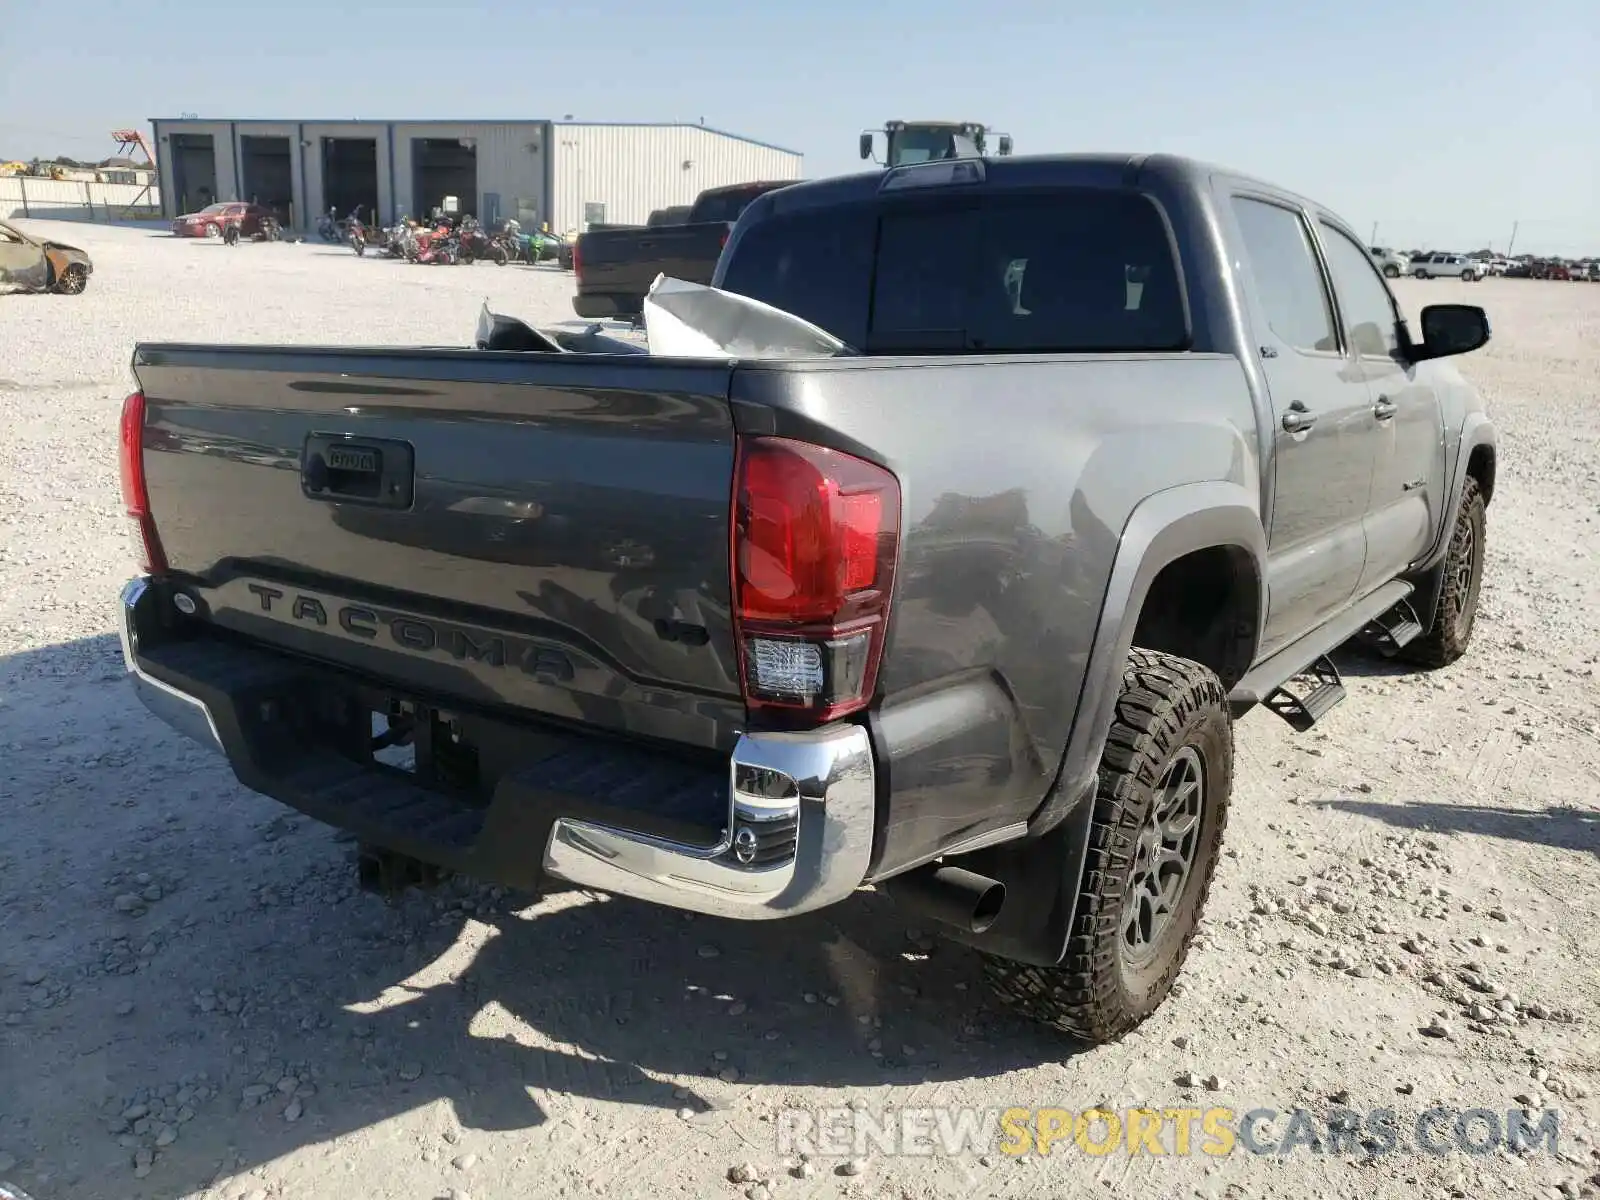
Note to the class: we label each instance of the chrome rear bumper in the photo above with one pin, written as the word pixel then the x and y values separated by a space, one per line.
pixel 188 715
pixel 798 833
pixel 819 786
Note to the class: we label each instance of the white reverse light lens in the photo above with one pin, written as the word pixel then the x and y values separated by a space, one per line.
pixel 785 668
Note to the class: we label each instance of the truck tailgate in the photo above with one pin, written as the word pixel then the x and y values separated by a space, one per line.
pixel 626 261
pixel 539 533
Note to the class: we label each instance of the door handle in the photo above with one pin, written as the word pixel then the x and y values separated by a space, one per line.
pixel 1383 409
pixel 1298 419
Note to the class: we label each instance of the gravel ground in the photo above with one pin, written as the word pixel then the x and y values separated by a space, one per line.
pixel 196 1002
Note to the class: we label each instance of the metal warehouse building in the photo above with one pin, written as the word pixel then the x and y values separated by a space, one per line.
pixel 567 173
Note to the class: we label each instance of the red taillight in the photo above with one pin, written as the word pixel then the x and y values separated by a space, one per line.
pixel 816 534
pixel 135 495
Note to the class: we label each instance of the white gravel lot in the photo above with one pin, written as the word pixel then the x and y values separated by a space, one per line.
pixel 197 1003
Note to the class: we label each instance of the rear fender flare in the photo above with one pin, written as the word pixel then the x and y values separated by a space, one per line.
pixel 1159 531
pixel 1034 925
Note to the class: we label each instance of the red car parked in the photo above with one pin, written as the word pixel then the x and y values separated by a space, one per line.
pixel 211 220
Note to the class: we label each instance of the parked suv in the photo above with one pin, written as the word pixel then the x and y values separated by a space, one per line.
pixel 1446 266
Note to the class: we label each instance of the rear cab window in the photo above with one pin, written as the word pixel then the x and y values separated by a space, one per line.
pixel 724 206
pixel 1071 270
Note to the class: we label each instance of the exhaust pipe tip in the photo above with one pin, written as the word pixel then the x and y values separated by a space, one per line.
pixel 952 896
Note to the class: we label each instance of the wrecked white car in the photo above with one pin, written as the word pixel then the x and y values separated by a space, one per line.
pixel 30 264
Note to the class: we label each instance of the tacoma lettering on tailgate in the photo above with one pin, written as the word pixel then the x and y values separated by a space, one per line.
pixel 405 632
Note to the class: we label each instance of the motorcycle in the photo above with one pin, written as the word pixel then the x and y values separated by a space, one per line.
pixel 394 237
pixel 406 240
pixel 531 248
pixel 546 247
pixel 419 239
pixel 518 245
pixel 438 247
pixel 333 228
pixel 269 231
pixel 475 243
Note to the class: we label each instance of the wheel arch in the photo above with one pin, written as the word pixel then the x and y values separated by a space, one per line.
pixel 1192 532
pixel 1477 457
pixel 1204 527
pixel 1481 465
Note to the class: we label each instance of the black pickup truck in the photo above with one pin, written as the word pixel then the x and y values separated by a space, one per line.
pixel 1115 449
pixel 615 267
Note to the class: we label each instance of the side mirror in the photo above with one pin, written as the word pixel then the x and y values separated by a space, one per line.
pixel 866 145
pixel 1005 145
pixel 1450 329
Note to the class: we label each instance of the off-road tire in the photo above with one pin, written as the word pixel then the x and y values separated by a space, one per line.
pixel 1457 614
pixel 1167 703
pixel 1391 272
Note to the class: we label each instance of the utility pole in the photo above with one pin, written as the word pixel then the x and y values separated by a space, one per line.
pixel 1373 240
pixel 1512 243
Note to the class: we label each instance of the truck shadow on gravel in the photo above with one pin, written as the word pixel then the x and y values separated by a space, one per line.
pixel 1359 662
pixel 613 1000
pixel 1559 827
pixel 260 963
pixel 594 1012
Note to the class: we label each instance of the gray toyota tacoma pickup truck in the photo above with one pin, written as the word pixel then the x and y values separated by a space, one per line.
pixel 1117 449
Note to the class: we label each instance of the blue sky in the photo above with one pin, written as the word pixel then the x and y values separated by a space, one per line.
pixel 1442 120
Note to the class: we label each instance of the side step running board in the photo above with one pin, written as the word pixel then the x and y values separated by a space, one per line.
pixel 1392 631
pixel 1314 691
pixel 1273 674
